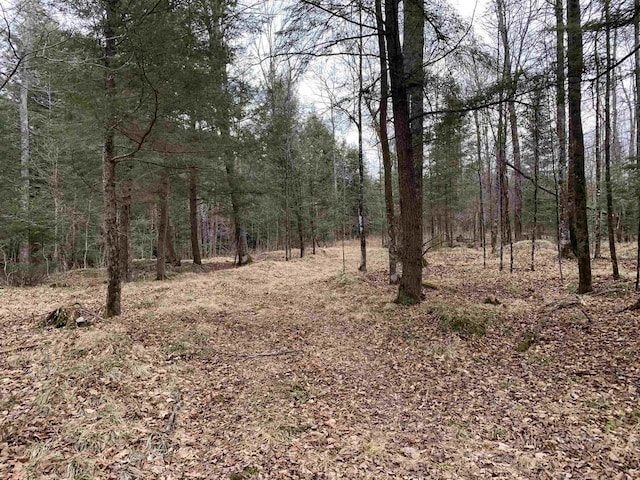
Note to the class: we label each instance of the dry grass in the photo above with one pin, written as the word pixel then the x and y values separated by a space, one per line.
pixel 300 370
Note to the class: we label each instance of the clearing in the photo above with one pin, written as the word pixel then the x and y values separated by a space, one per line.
pixel 286 370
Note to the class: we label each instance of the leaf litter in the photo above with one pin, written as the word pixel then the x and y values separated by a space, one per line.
pixel 295 369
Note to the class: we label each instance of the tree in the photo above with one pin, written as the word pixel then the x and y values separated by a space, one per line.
pixel 25 76
pixel 114 286
pixel 193 215
pixel 409 171
pixel 361 226
pixel 608 141
pixel 565 187
pixel 636 44
pixel 510 81
pixel 384 146
pixel 576 143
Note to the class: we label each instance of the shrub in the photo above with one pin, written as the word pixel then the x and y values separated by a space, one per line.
pixel 20 275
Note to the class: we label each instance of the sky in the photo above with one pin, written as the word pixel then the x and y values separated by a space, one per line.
pixel 466 7
pixel 313 99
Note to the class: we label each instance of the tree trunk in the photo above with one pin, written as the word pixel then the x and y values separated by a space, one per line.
pixel 384 145
pixel 509 80
pixel 636 36
pixel 24 252
pixel 561 132
pixel 124 230
pixel 193 215
pixel 503 186
pixel 299 223
pixel 480 195
pixel 242 249
pixel 608 140
pixel 598 213
pixel 536 169
pixel 361 228
pixel 163 226
pixel 114 286
pixel 172 256
pixel 409 169
pixel 576 143
pixel 314 232
pixel 491 193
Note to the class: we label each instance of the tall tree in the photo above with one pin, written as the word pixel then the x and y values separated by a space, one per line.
pixel 608 141
pixel 114 285
pixel 409 168
pixel 598 140
pixel 564 187
pixel 384 146
pixel 215 15
pixel 25 80
pixel 636 45
pixel 193 215
pixel 510 81
pixel 576 142
pixel 361 224
pixel 163 225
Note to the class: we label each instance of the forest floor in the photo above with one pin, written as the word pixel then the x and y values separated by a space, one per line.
pixel 287 370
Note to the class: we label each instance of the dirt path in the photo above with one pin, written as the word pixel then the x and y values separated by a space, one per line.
pixel 293 370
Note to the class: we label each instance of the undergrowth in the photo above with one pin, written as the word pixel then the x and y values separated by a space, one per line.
pixel 465 319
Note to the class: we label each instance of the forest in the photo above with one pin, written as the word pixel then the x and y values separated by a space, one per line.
pixel 319 239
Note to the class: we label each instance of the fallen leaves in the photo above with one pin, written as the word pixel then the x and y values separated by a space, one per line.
pixel 295 370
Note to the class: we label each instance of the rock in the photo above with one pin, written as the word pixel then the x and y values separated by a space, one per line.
pixel 81 322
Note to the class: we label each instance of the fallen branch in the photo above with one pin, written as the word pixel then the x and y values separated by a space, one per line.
pixel 631 308
pixel 609 291
pixel 561 304
pixel 267 354
pixel 21 347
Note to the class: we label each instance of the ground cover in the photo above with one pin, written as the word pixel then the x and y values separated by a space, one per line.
pixel 295 369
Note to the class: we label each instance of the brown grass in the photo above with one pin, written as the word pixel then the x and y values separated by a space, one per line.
pixel 298 370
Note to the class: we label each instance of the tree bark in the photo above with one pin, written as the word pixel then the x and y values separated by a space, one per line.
pixel 636 43
pixel 124 230
pixel 491 193
pixel 114 285
pixel 384 146
pixel 242 248
pixel 216 46
pixel 24 252
pixel 172 256
pixel 503 186
pixel 576 143
pixel 515 141
pixel 163 227
pixel 361 228
pixel 480 195
pixel 598 213
pixel 299 224
pixel 193 215
pixel 561 132
pixel 409 169
pixel 536 170
pixel 608 140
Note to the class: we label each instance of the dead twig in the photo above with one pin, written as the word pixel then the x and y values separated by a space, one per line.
pixel 171 421
pixel 21 347
pixel 267 354
pixel 84 311
pixel 630 308
pixel 561 304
